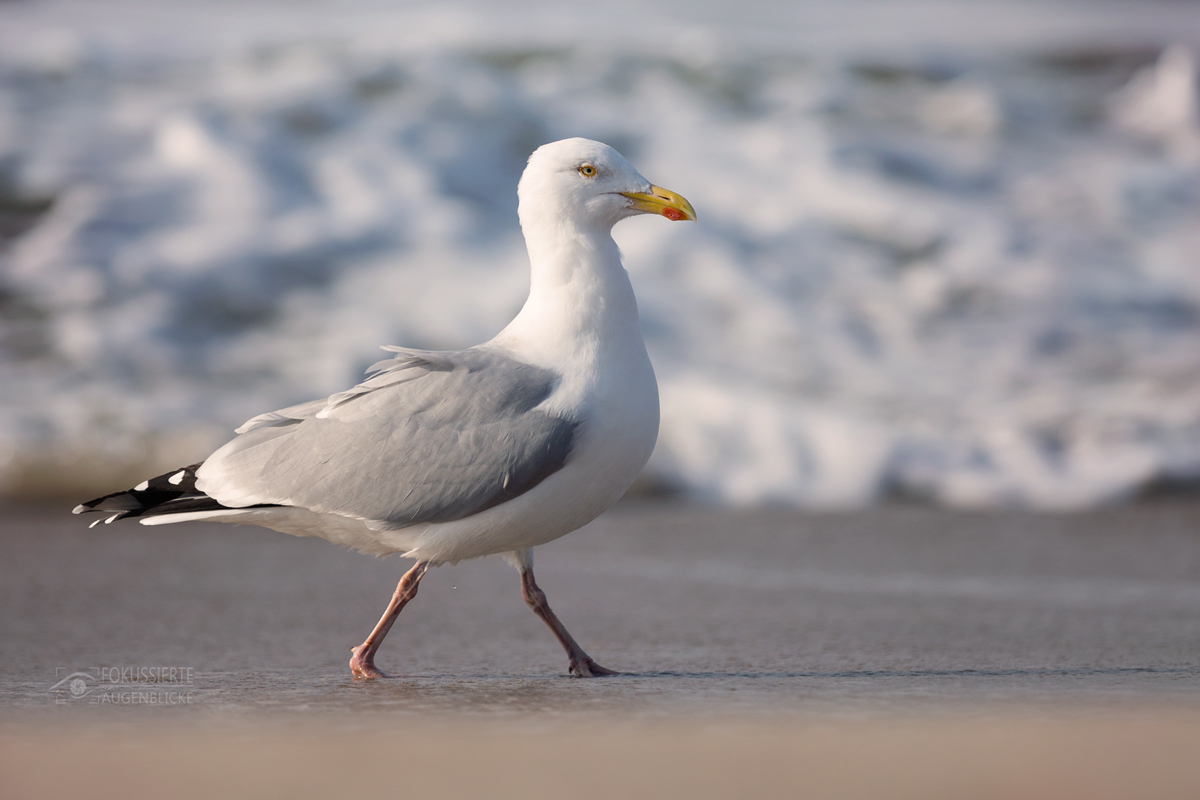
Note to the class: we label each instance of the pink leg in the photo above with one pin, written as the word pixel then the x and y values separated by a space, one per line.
pixel 362 664
pixel 581 664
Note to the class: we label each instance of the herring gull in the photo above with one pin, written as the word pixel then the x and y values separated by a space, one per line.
pixel 443 456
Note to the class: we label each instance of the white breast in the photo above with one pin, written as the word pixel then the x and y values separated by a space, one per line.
pixel 588 332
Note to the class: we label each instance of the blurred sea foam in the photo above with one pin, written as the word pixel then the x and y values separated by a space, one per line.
pixel 946 250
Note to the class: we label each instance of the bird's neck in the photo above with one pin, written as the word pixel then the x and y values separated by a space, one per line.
pixel 580 298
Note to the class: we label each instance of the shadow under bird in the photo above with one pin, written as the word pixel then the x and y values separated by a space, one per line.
pixel 448 455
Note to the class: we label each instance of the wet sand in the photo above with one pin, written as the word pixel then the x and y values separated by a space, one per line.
pixel 920 650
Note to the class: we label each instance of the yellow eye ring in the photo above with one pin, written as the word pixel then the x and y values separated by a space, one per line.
pixel 587 171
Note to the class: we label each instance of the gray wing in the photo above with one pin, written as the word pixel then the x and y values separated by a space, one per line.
pixel 431 437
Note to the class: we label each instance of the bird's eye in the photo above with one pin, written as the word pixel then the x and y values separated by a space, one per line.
pixel 587 171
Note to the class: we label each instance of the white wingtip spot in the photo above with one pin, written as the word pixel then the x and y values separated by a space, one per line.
pixel 177 478
pixel 79 509
pixel 141 487
pixel 110 519
pixel 95 523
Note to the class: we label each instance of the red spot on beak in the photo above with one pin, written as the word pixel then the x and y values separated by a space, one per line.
pixel 673 214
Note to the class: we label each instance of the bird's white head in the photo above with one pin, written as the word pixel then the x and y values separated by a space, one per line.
pixel 591 185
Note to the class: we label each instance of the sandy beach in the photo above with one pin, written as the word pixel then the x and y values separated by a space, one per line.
pixel 1029 755
pixel 899 652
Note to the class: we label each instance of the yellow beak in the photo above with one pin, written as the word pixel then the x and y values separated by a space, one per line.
pixel 662 201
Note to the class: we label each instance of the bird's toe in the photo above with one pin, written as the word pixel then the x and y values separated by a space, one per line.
pixel 587 668
pixel 364 667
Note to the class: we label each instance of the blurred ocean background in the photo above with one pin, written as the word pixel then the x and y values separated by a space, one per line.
pixel 947 250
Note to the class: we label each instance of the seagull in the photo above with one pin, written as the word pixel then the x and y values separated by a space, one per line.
pixel 443 456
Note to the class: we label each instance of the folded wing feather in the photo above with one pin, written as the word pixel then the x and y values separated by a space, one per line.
pixel 430 437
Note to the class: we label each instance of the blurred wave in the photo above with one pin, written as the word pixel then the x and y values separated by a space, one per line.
pixel 970 276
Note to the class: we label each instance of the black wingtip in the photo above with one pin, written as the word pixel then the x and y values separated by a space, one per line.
pixel 173 492
pixel 146 496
